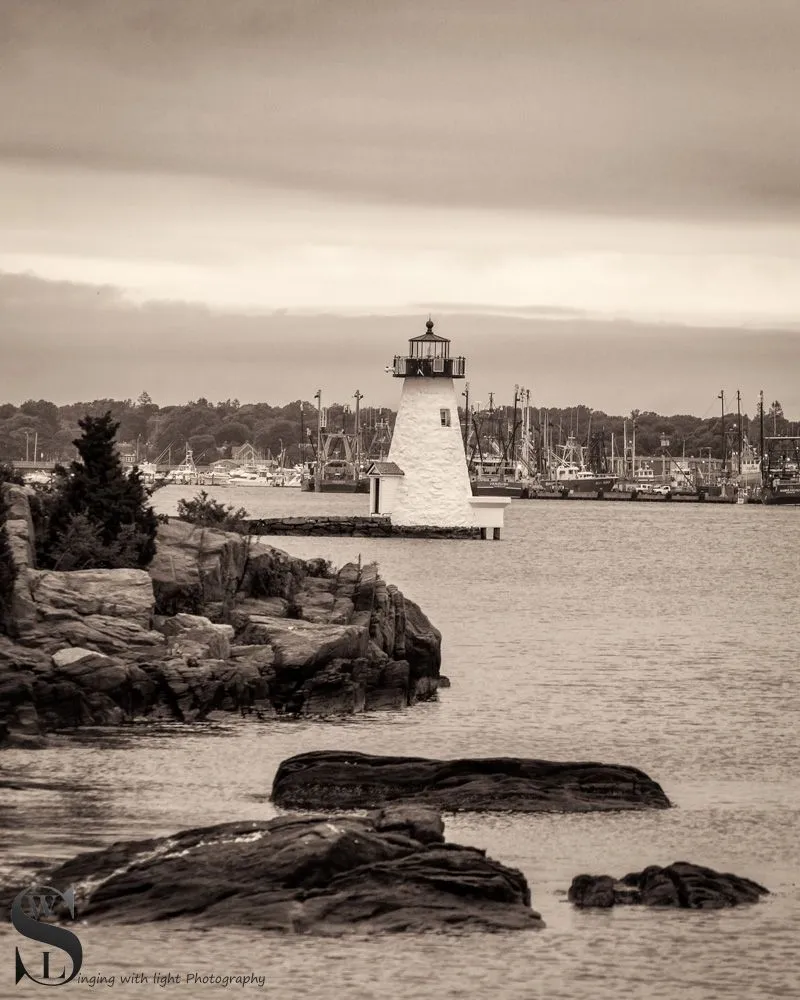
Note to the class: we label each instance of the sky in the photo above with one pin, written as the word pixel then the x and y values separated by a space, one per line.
pixel 597 199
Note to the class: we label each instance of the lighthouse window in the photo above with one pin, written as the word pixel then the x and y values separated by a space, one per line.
pixel 445 417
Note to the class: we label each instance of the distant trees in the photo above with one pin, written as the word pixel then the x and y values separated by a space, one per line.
pixel 97 516
pixel 38 427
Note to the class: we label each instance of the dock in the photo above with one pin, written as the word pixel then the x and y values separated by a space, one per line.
pixel 635 497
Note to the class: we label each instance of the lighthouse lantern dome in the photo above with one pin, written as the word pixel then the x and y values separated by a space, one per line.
pixel 428 357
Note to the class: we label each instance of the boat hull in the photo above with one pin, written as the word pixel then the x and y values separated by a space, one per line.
pixel 595 484
pixel 781 495
pixel 337 486
pixel 489 489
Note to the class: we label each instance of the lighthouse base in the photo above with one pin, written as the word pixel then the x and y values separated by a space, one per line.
pixel 488 514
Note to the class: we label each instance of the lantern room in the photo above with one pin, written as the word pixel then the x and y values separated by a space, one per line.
pixel 428 357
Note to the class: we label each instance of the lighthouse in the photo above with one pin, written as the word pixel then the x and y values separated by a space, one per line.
pixel 425 480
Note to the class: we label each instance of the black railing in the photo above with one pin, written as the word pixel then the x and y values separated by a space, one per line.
pixel 406 367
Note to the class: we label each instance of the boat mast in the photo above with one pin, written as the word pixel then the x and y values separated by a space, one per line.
pixel 357 432
pixel 739 424
pixel 318 469
pixel 722 398
pixel 761 422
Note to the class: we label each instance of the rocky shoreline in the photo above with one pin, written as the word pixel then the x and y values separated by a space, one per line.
pixel 216 623
pixel 219 622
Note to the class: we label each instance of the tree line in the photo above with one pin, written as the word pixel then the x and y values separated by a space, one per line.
pixel 38 429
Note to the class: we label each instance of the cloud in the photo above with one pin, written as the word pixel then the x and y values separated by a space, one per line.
pixel 66 341
pixel 627 106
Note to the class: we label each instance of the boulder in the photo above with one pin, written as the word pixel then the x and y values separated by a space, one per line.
pixel 195 565
pixel 106 610
pixel 113 593
pixel 301 646
pixel 20 532
pixel 681 885
pixel 315 875
pixel 333 779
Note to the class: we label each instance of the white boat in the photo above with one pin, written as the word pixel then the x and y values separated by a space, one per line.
pixel 292 478
pixel 185 473
pixel 250 476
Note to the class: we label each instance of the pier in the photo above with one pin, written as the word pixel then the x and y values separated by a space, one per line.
pixel 636 497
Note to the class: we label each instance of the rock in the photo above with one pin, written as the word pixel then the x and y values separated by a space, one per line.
pixel 101 633
pixel 194 565
pixel 300 645
pixel 113 593
pixel 70 655
pixel 104 610
pixel 681 884
pixel 305 875
pixel 271 572
pixel 592 890
pixel 20 532
pixel 294 638
pixel 333 779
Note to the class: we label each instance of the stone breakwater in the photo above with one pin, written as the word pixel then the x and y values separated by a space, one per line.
pixel 390 871
pixel 333 779
pixel 218 622
pixel 366 527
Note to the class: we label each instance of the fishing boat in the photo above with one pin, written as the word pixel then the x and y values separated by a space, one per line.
pixel 570 474
pixel 185 473
pixel 781 471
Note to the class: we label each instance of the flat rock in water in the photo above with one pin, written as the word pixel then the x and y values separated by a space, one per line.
pixel 681 885
pixel 331 779
pixel 320 875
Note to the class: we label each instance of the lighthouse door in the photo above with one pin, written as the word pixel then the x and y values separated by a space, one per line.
pixel 376 509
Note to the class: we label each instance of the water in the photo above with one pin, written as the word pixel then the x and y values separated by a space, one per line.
pixel 654 635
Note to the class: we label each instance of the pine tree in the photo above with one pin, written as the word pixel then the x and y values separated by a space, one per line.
pixel 99 517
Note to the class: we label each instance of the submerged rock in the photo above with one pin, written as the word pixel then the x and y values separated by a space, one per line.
pixel 309 875
pixel 681 884
pixel 333 779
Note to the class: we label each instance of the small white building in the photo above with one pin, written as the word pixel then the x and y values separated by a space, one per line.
pixel 425 480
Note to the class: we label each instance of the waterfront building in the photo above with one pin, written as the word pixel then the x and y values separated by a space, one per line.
pixel 424 480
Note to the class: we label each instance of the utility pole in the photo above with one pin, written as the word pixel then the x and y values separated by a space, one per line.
pixel 724 455
pixel 318 470
pixel 739 423
pixel 465 394
pixel 357 432
pixel 761 421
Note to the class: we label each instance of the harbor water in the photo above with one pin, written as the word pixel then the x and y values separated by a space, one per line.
pixel 653 635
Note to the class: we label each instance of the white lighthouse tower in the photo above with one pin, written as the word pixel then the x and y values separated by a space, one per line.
pixel 425 480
